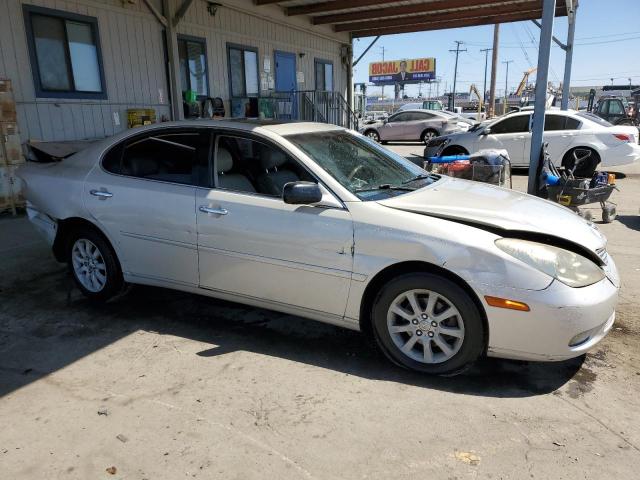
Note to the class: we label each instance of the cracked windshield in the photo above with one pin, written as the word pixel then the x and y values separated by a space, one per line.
pixel 359 164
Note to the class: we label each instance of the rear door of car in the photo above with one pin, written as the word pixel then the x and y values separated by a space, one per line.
pixel 252 244
pixel 418 123
pixel 560 131
pixel 143 195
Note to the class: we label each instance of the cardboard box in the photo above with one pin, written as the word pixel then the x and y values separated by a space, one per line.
pixel 11 193
pixel 7 102
pixel 10 145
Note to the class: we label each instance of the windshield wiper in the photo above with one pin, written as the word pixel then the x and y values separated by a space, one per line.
pixel 422 176
pixel 384 186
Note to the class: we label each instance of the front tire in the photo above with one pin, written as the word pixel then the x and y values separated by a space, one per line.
pixel 427 323
pixel 94 266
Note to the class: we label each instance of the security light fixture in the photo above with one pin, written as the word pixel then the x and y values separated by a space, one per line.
pixel 212 8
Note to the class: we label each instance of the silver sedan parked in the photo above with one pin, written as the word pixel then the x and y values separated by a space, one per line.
pixel 320 222
pixel 412 125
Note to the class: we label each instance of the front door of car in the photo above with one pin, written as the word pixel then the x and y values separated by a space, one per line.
pixel 254 245
pixel 512 134
pixel 393 129
pixel 143 196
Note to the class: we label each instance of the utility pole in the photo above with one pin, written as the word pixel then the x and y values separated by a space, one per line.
pixel 455 71
pixel 484 89
pixel 382 48
pixel 506 86
pixel 494 71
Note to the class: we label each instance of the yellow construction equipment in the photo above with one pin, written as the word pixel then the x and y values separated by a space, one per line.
pixel 473 89
pixel 523 82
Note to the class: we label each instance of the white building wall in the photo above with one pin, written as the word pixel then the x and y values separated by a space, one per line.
pixel 134 59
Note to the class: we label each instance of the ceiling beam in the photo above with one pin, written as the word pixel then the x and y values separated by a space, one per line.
pixel 332 6
pixel 434 6
pixel 472 22
pixel 486 9
pixel 266 2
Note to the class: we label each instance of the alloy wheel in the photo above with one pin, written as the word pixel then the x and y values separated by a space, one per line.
pixel 428 136
pixel 425 326
pixel 89 265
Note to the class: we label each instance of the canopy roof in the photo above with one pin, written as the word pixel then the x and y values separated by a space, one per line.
pixel 364 18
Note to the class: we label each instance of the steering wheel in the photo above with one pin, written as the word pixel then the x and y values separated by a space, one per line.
pixel 354 172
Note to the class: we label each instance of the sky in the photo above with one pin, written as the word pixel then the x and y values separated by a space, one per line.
pixel 607 44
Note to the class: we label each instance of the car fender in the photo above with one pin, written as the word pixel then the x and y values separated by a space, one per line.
pixel 464 250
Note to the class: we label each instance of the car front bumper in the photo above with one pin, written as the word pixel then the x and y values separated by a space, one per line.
pixel 563 322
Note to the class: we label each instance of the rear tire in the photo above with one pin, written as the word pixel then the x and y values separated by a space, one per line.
pixel 587 167
pixel 428 135
pixel 93 265
pixel 427 323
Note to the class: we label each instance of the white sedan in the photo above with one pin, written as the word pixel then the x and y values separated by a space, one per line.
pixel 565 132
pixel 317 221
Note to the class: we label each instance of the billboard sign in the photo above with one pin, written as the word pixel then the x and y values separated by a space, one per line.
pixel 413 70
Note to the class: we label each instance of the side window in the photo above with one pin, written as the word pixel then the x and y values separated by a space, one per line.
pixel 401 117
pixel 246 165
pixel 243 71
pixel 572 124
pixel 168 156
pixel 65 54
pixel 192 53
pixel 512 124
pixel 554 122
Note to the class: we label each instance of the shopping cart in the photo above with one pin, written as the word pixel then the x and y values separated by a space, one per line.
pixel 486 166
pixel 565 189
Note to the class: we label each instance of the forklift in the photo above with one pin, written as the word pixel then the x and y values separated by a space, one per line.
pixel 614 109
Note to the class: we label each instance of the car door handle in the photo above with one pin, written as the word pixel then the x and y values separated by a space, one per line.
pixel 215 211
pixel 101 193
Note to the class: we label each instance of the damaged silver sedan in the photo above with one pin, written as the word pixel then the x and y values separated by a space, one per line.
pixel 323 223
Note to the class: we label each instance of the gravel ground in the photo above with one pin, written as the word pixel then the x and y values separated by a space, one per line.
pixel 166 385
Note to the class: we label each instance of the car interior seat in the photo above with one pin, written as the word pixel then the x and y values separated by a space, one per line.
pixel 274 175
pixel 231 181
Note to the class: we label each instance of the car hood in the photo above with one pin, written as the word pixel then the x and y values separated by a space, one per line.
pixel 501 209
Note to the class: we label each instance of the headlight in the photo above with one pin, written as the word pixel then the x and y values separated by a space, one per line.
pixel 565 266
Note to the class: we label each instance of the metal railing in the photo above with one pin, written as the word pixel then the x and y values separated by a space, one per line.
pixel 315 106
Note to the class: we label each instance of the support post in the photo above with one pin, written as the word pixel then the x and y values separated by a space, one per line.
pixel 171 41
pixel 494 71
pixel 568 59
pixel 544 52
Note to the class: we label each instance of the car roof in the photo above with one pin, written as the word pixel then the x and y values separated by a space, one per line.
pixel 420 110
pixel 279 127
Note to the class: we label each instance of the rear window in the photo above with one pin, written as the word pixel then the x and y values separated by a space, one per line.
pixel 560 122
pixel 594 118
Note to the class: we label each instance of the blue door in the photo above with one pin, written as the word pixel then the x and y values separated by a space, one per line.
pixel 286 82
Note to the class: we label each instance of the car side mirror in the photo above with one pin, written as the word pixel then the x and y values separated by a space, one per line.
pixel 301 193
pixel 486 131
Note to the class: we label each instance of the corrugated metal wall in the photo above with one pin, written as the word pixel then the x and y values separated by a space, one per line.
pixel 133 59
